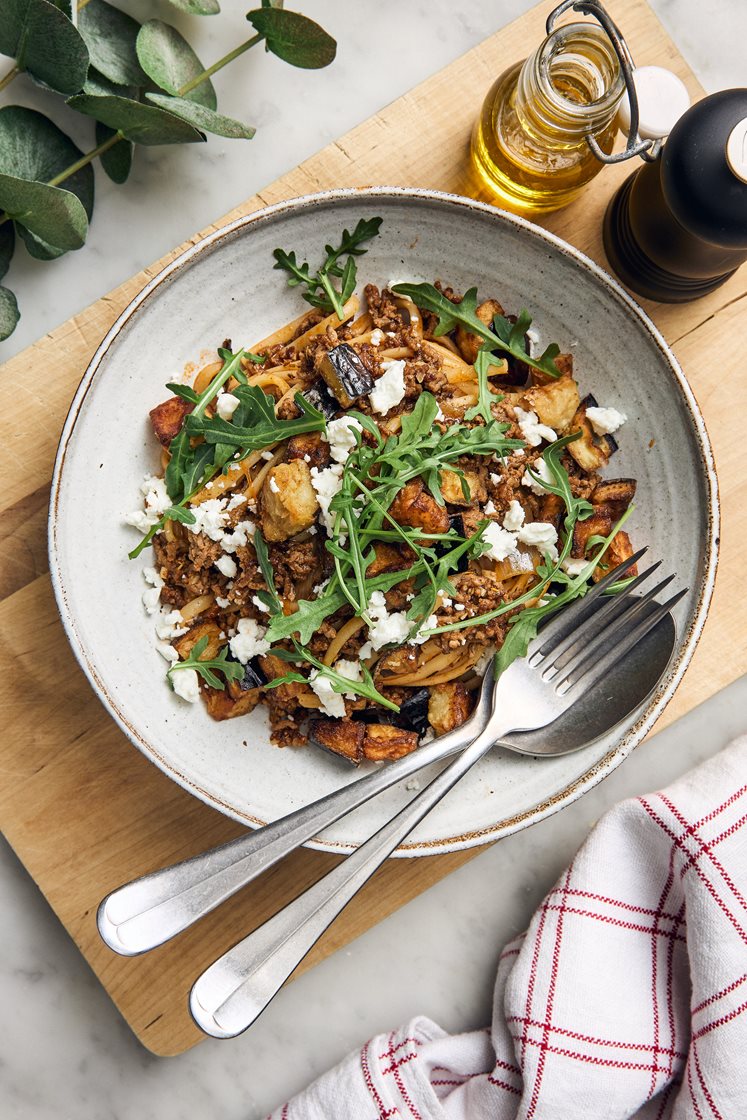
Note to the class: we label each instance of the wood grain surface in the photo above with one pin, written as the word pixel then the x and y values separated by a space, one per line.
pixel 82 808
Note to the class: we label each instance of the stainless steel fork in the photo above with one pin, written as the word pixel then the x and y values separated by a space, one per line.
pixel 575 652
pixel 154 908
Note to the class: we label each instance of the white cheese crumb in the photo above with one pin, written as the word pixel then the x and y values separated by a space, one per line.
pixel 541 534
pixel 515 515
pixel 235 500
pixel 377 337
pixel 519 453
pixel 459 607
pixel 502 543
pixel 152 597
pixel 365 651
pixel 390 388
pixel 496 479
pixel 240 536
pixel 249 640
pixel 350 669
pixel 169 624
pixel 531 428
pixel 186 684
pixel 226 405
pixel 222 603
pixel 227 566
pixel 267 455
pixel 156 501
pixel 440 414
pixel 326 484
pixel 540 467
pixel 431 623
pixel 333 703
pixel 490 507
pixel 604 421
pixel 386 628
pixel 573 567
pixel 167 651
pixel 259 604
pixel 341 436
pixel 210 518
pixel 274 486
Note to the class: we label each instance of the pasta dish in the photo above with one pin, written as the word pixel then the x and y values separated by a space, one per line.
pixel 358 514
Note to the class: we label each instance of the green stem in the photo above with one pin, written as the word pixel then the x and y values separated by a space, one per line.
pixel 218 65
pixel 86 159
pixel 8 78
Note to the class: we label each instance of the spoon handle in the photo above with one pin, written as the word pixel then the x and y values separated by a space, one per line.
pixel 149 911
pixel 232 992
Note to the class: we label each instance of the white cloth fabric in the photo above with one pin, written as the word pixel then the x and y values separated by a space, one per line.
pixel 626 997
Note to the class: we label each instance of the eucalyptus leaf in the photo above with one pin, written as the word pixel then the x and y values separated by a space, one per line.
pixel 294 38
pixel 43 41
pixel 101 86
pixel 143 124
pixel 53 214
pixel 7 245
pixel 168 59
pixel 202 117
pixel 117 161
pixel 110 36
pixel 197 7
pixel 9 313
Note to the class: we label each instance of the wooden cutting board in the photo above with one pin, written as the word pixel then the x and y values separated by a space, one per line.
pixel 83 809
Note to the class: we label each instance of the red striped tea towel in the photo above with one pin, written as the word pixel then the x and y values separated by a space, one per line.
pixel 626 997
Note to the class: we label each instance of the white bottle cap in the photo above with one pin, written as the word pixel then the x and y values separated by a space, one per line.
pixel 736 150
pixel 662 99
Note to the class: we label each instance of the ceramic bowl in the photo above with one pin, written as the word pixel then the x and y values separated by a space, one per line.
pixel 225 287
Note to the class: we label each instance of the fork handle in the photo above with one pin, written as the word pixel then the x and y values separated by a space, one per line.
pixel 232 992
pixel 154 908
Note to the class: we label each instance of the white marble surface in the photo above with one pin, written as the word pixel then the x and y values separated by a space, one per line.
pixel 64 1051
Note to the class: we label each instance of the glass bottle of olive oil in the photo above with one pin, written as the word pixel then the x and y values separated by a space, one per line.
pixel 529 147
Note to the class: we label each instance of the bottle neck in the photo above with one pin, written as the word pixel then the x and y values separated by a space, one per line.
pixel 571 86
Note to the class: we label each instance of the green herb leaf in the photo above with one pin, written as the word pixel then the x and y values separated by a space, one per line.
pixel 208 667
pixel 143 124
pixel 263 559
pixel 505 336
pixel 197 7
pixel 294 38
pixel 261 426
pixel 186 392
pixel 43 41
pixel 9 313
pixel 321 292
pixel 202 117
pixel 117 161
pixel 486 398
pixel 110 36
pixel 167 58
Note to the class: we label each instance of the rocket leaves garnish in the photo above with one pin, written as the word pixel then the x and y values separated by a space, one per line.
pixel 255 425
pixel 504 335
pixel 208 668
pixel 320 290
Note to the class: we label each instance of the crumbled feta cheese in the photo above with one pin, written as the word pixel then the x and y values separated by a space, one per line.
pixel 496 479
pixel 235 500
pixel 240 536
pixel 167 651
pixel 226 405
pixel 226 565
pixel 573 567
pixel 534 338
pixel 139 520
pixel 274 486
pixel 440 414
pixel 341 436
pixel 152 596
pixel 386 628
pixel 446 602
pixel 333 703
pixel 210 518
pixel 531 428
pixel 365 651
pixel 151 576
pixel 350 669
pixel 267 455
pixel 222 603
pixel 431 623
pixel 604 421
pixel 169 624
pixel 156 501
pixel 259 604
pixel 490 507
pixel 390 388
pixel 307 458
pixel 186 684
pixel 326 484
pixel 541 534
pixel 515 515
pixel 249 640
pixel 377 337
pixel 540 467
pixel 459 606
pixel 519 453
pixel 502 543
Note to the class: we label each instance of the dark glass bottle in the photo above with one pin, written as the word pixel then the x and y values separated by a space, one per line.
pixel 677 228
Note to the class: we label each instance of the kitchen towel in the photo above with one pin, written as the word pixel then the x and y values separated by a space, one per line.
pixel 625 998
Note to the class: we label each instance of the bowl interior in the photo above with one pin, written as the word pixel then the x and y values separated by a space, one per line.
pixel 227 288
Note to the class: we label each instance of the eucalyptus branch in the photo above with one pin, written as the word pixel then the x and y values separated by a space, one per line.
pixel 8 78
pixel 219 65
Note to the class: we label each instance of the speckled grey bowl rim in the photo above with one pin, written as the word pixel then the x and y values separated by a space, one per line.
pixel 687 642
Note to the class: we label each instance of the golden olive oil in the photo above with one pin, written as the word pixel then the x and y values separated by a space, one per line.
pixel 529 146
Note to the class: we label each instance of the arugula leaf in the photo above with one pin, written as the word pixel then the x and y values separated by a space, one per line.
pixel 270 598
pixel 505 335
pixel 341 684
pixel 207 669
pixel 321 292
pixel 486 398
pixel 260 427
pixel 184 391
